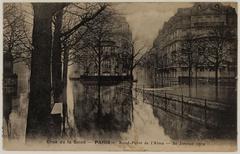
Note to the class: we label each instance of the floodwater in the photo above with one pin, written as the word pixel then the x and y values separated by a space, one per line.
pixel 15 116
pixel 117 111
pixel 221 94
pixel 119 115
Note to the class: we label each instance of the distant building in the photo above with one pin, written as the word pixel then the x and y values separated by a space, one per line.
pixel 197 20
pixel 116 54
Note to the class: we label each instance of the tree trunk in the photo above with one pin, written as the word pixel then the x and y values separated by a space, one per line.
pixel 40 80
pixel 154 85
pixel 216 81
pixel 56 58
pixel 99 85
pixel 189 81
pixel 132 62
pixel 189 76
pixel 131 74
pixel 162 78
pixel 131 92
pixel 65 79
pixel 196 75
pixel 216 76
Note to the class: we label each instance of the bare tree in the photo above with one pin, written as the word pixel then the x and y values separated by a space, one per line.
pixel 69 29
pixel 68 24
pixel 198 58
pixel 218 48
pixel 16 34
pixel 185 55
pixel 40 79
pixel 136 54
pixel 101 42
pixel 56 56
pixel 100 39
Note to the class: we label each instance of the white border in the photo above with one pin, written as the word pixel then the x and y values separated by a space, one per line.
pixel 57 152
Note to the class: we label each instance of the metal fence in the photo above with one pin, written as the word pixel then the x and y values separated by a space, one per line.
pixel 203 111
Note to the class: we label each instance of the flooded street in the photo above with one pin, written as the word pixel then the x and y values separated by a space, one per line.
pixel 121 114
pixel 222 94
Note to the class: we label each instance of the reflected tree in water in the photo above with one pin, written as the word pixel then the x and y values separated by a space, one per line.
pixel 116 108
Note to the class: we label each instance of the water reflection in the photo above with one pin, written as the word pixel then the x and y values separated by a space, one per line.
pixel 7 108
pixel 209 92
pixel 107 112
pixel 218 125
pixel 15 115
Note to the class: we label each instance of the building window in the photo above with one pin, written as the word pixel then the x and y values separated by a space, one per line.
pixel 222 69
pixel 201 69
pixel 199 7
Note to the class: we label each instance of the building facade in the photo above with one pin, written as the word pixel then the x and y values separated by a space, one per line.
pixel 199 21
pixel 115 56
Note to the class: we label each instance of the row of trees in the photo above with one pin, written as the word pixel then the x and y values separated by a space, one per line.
pixel 16 34
pixel 56 29
pixel 51 37
pixel 213 50
pixel 107 38
pixel 71 22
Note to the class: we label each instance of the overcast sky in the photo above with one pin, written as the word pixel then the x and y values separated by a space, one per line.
pixel 145 19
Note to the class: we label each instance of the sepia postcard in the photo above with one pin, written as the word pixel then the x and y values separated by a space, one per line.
pixel 119 76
